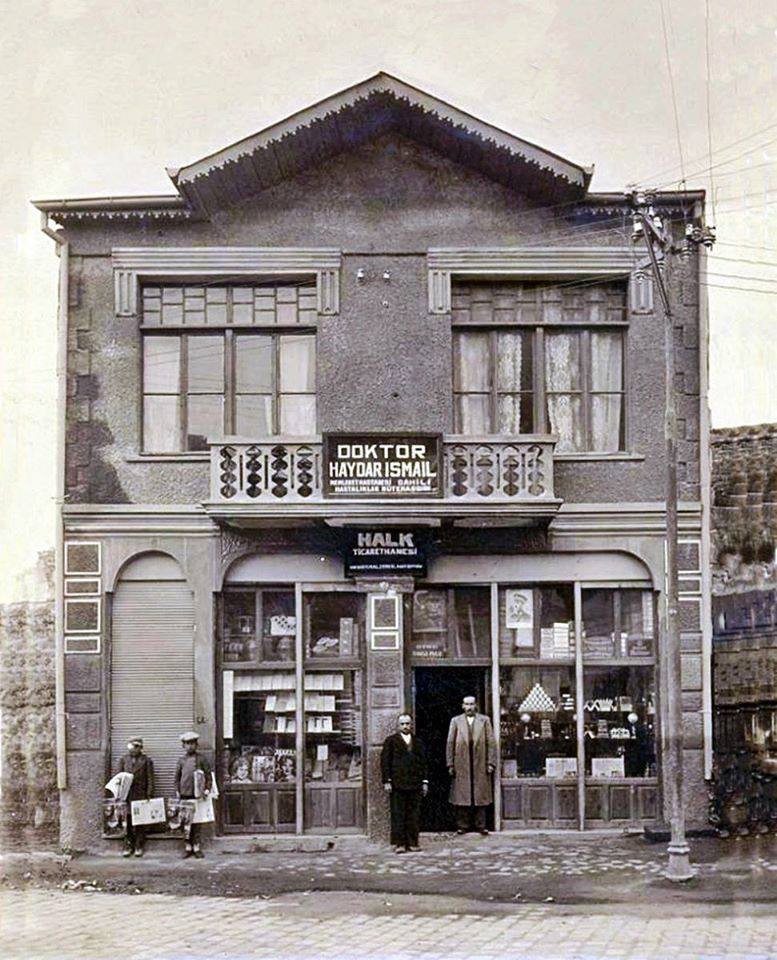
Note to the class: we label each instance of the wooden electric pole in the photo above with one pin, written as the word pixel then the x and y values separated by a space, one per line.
pixel 658 240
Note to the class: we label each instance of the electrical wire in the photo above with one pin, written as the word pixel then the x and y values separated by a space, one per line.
pixel 674 95
pixel 709 108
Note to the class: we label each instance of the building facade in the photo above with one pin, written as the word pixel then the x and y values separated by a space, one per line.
pixel 366 417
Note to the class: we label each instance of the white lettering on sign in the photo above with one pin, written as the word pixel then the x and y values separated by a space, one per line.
pixel 369 451
pixel 398 540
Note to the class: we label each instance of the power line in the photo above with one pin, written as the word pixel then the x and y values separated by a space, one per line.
pixel 671 86
pixel 709 109
pixel 722 163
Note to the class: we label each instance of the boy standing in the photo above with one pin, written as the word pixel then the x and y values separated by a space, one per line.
pixel 192 781
pixel 142 788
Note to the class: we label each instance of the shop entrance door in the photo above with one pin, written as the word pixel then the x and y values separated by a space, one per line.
pixel 437 695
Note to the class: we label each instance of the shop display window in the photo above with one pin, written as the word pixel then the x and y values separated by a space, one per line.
pixel 537 622
pixel 538 726
pixel 618 624
pixel 334 626
pixel 333 726
pixel 259 626
pixel 262 746
pixel 451 624
pixel 620 722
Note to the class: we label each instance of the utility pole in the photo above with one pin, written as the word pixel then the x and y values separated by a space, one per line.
pixel 648 225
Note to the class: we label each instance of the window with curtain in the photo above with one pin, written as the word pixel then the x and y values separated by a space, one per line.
pixel 493 381
pixel 581 377
pixel 584 389
pixel 202 385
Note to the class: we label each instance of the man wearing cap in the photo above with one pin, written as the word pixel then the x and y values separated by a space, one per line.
pixel 192 781
pixel 142 788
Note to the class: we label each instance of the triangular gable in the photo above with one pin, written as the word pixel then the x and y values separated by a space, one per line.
pixel 350 118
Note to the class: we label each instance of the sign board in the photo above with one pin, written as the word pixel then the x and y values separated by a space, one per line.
pixel 391 552
pixel 381 465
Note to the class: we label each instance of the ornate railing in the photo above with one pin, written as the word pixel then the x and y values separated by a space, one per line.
pixel 474 471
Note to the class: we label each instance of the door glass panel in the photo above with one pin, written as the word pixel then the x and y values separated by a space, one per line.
pixel 429 638
pixel 471 362
pixel 205 419
pixel 253 415
pixel 298 415
pixel 333 726
pixel 472 413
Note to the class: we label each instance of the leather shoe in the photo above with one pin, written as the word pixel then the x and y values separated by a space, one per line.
pixel 461 832
pixel 483 833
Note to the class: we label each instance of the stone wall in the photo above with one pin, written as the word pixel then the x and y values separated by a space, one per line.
pixel 29 808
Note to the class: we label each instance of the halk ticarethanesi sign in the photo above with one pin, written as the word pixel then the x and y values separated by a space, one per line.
pixel 385 552
pixel 380 465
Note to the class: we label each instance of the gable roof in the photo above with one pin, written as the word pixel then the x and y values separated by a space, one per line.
pixel 340 123
pixel 346 120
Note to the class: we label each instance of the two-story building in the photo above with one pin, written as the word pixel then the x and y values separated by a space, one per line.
pixel 366 417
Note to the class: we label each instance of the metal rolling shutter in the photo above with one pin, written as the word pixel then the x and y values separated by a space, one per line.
pixel 152 671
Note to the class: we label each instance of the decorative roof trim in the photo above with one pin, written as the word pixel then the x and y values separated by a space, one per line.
pixel 573 173
pixel 117 208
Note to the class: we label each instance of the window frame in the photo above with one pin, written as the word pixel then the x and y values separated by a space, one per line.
pixel 229 368
pixel 539 391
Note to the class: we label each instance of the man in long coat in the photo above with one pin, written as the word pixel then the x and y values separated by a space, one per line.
pixel 405 780
pixel 471 760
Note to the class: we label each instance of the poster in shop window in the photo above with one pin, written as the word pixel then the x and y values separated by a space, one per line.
pixel 382 466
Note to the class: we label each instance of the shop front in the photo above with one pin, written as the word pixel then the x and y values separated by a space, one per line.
pixel 565 666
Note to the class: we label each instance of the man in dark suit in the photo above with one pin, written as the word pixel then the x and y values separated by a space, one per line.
pixel 142 769
pixel 404 770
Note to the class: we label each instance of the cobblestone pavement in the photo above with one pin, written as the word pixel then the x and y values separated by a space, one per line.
pixel 503 868
pixel 43 924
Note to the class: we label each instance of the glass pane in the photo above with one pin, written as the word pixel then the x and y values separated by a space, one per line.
pixel 298 364
pixel 333 730
pixel 429 637
pixel 599 623
pixel 262 749
pixel 538 733
pixel 205 418
pixel 557 622
pixel 254 364
pixel 514 360
pixel 333 625
pixel 161 424
pixel 565 415
pixel 637 622
pixel 606 422
pixel 516 413
pixel 562 361
pixel 471 362
pixel 298 415
pixel 253 416
pixel 517 634
pixel 472 413
pixel 205 364
pixel 606 360
pixel 161 364
pixel 619 711
pixel 239 641
pixel 472 625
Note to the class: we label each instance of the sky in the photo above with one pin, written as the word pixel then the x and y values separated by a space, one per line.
pixel 99 98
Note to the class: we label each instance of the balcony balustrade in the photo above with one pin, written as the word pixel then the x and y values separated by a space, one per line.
pixel 475 471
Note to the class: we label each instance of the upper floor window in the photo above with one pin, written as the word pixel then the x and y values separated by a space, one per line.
pixel 227 360
pixel 533 358
pixel 202 385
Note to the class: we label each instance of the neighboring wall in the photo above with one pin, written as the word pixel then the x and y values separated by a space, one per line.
pixel 28 784
pixel 379 367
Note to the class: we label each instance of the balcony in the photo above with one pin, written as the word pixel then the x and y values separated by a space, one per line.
pixel 485 482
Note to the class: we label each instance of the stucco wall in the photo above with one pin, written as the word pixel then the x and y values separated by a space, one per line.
pixel 380 367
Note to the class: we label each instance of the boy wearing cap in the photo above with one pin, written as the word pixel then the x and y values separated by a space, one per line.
pixel 142 788
pixel 192 781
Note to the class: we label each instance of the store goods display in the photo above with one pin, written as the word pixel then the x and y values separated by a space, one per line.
pixel 115 819
pixel 148 812
pixel 558 768
pixel 537 701
pixel 607 767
